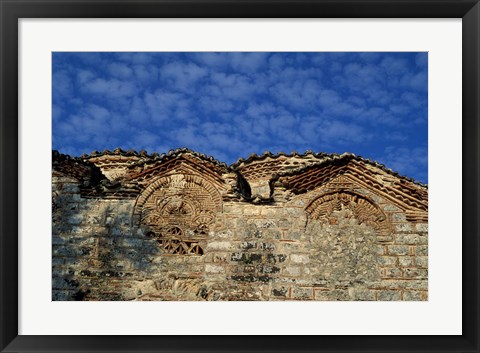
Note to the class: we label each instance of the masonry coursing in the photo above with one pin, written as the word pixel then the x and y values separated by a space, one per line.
pixel 183 226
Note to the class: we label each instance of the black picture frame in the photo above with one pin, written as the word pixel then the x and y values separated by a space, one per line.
pixel 11 11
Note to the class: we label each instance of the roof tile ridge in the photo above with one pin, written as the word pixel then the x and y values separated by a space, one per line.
pixel 255 157
pixel 155 157
pixel 391 171
pixel 349 156
pixel 59 156
pixel 116 152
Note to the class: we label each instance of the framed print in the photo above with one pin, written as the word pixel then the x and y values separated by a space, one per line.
pixel 195 225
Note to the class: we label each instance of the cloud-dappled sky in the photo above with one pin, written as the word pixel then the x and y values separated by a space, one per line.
pixel 230 105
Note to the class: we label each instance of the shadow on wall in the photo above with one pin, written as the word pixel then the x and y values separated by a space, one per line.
pixel 95 249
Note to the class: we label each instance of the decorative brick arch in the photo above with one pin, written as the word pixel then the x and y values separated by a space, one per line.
pixel 364 210
pixel 179 206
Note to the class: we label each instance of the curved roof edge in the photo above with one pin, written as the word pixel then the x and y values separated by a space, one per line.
pixel 322 159
pixel 256 157
pixel 321 156
pixel 154 156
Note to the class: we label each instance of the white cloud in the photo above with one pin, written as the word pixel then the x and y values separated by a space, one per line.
pixel 145 73
pixel 232 86
pixel 62 83
pixel 182 76
pixel 109 88
pixel 136 58
pixel 120 70
pixel 394 66
pixel 247 62
pixel 211 59
pixel 84 76
pixel 162 104
pixel 407 161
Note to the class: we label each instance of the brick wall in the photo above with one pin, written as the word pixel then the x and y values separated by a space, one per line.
pixel 267 251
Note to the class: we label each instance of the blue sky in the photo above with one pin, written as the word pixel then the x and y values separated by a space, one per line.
pixel 230 105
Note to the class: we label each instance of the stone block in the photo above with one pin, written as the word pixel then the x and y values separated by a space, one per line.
pixel 220 258
pixel 406 261
pixel 64 251
pixel 387 284
pixel 272 211
pixel 56 261
pixel 393 272
pixel 416 273
pixel 252 210
pixel 247 245
pixel 294 212
pixel 231 223
pixel 423 239
pixel 70 188
pixel 249 269
pixel 132 242
pixel 117 231
pixel 403 227
pixel 272 234
pixel 294 235
pixel 331 295
pixel 388 295
pixel 361 294
pixel 284 223
pixel 268 269
pixel 303 293
pixel 299 258
pixel 75 219
pixel 387 260
pixel 220 245
pixel 292 271
pixel 276 258
pixel 252 232
pixel 251 278
pixel 267 246
pixel 94 219
pixel 384 238
pixel 76 198
pixel 57 240
pixel 398 249
pixel 421 227
pixel 233 209
pixel 60 295
pixel 412 239
pixel 415 295
pixel 64 283
pixel 399 217
pixel 246 258
pixel 228 234
pixel 421 250
pixel 280 292
pixel 263 223
pixel 416 285
pixel 421 261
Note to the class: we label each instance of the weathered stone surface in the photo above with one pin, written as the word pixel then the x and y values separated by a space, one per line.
pixel 185 227
pixel 398 250
pixel 388 295
pixel 415 295
pixel 405 261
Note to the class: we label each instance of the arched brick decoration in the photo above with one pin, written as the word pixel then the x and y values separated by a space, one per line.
pixel 178 206
pixel 363 209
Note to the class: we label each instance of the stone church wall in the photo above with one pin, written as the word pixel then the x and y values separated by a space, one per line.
pixel 339 241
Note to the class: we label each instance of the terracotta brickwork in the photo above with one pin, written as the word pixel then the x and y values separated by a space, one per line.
pixel 183 226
